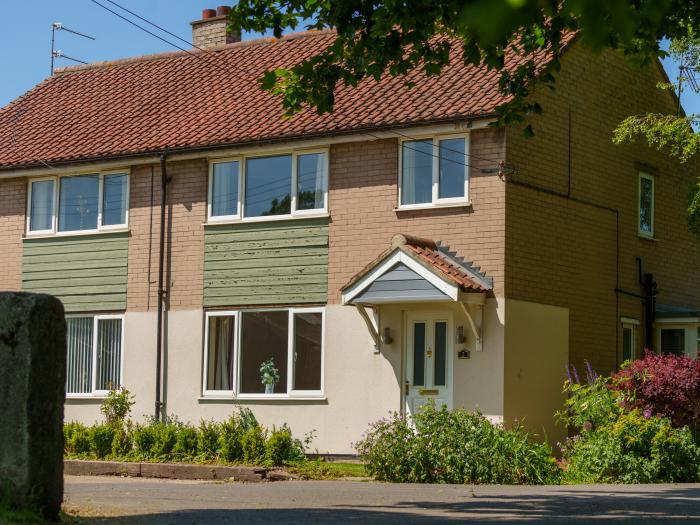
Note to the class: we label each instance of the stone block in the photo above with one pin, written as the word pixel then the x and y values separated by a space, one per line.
pixel 32 394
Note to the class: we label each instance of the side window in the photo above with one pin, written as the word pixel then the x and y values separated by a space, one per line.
pixel 41 205
pixel 673 341
pixel 628 342
pixel 646 205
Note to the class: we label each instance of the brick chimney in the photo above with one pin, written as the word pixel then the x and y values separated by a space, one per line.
pixel 210 31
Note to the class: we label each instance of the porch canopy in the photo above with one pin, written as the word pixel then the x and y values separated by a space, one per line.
pixel 416 270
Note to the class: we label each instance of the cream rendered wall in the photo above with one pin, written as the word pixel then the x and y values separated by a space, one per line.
pixel 536 356
pixel 360 386
pixel 477 381
pixel 139 361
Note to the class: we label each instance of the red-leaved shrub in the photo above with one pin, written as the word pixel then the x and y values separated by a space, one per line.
pixel 662 385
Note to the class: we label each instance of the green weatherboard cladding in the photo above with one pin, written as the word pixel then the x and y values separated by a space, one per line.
pixel 86 272
pixel 281 262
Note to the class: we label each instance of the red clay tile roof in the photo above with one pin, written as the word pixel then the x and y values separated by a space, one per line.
pixel 438 258
pixel 197 100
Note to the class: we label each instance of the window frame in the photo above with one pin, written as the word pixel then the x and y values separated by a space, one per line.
pixel 290 392
pixel 56 202
pixel 640 232
pixel 690 327
pixel 242 159
pixel 629 323
pixel 220 313
pixel 94 393
pixel 436 201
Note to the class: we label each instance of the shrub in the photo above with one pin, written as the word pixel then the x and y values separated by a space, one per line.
pixel 281 448
pixel 186 442
pixel 101 438
pixel 443 446
pixel 253 444
pixel 122 443
pixel 230 437
pixel 117 405
pixel 662 385
pixel 633 449
pixel 589 404
pixel 164 439
pixel 144 438
pixel 208 439
pixel 76 439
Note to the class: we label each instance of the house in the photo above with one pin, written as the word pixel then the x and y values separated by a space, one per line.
pixel 399 250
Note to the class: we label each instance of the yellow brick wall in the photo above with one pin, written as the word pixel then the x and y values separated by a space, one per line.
pixel 12 213
pixel 363 197
pixel 563 252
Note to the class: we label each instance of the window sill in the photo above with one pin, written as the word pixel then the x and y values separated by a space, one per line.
pixel 273 398
pixel 275 218
pixel 645 237
pixel 465 204
pixel 61 235
pixel 86 398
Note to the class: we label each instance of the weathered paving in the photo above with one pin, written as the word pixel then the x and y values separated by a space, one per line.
pixel 158 502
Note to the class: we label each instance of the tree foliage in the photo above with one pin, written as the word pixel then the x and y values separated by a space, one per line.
pixel 394 37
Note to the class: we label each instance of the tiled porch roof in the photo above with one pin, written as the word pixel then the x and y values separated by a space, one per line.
pixel 437 257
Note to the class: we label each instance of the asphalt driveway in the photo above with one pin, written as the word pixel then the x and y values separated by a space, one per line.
pixel 136 500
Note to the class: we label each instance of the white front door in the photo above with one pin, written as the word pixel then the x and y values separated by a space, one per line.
pixel 428 358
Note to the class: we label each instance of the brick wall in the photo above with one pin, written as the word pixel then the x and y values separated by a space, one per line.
pixel 363 197
pixel 563 252
pixel 12 212
pixel 185 216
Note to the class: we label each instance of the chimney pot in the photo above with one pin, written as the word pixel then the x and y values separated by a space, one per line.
pixel 222 10
pixel 208 13
pixel 212 30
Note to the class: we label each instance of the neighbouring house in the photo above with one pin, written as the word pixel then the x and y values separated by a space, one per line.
pixel 398 250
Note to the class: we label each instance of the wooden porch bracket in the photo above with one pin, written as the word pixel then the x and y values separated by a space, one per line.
pixel 475 325
pixel 373 330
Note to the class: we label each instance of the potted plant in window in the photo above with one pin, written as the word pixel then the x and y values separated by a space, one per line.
pixel 269 375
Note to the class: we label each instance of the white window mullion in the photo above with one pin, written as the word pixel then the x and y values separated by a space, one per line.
pixel 100 201
pixel 295 184
pixel 436 169
pixel 290 352
pixel 94 354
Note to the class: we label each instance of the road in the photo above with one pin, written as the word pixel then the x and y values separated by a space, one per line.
pixel 119 501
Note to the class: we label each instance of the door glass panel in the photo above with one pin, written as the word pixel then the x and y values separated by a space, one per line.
pixel 419 354
pixel 440 353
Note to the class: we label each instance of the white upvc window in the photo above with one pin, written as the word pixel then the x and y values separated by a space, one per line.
pixel 269 187
pixel 75 204
pixel 678 336
pixel 95 354
pixel 237 343
pixel 434 171
pixel 629 338
pixel 646 205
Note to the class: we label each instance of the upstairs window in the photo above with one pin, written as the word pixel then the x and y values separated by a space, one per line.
pixel 78 203
pixel 434 172
pixel 646 205
pixel 256 188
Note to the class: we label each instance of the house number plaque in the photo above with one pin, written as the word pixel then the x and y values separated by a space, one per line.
pixel 429 392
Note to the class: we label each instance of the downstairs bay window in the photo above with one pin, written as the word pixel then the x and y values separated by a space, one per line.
pixel 94 360
pixel 238 343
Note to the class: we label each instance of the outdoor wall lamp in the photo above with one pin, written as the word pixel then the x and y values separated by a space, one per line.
pixel 386 336
pixel 461 339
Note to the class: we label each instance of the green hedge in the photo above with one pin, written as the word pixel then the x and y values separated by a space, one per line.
pixel 240 439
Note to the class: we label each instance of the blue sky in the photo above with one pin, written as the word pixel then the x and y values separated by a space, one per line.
pixel 25 40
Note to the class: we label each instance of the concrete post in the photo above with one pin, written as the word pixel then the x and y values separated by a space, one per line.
pixel 32 394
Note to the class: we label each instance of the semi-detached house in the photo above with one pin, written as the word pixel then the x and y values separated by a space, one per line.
pixel 398 250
